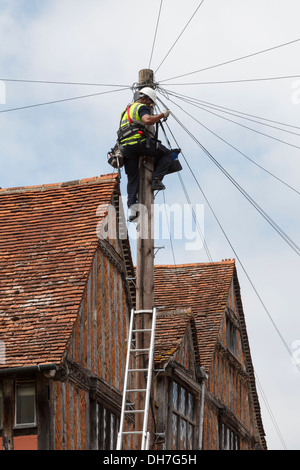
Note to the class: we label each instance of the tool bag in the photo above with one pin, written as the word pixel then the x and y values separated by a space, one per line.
pixel 115 156
pixel 175 165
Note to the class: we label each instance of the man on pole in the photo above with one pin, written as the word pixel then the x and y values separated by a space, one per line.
pixel 136 141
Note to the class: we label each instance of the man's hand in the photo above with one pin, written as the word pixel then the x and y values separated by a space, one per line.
pixel 149 119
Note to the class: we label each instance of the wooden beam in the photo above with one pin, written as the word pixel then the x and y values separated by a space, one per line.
pixel 8 413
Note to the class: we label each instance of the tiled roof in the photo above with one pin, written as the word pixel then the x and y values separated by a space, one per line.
pixel 204 289
pixel 47 243
pixel 169 331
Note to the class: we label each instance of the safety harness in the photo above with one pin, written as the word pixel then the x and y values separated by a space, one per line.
pixel 131 126
pixel 131 131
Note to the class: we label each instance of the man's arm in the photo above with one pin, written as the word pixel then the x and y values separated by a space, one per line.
pixel 148 119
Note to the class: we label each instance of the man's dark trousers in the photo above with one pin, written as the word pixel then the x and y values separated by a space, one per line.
pixel 132 154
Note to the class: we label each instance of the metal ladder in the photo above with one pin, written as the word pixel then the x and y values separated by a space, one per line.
pixel 132 350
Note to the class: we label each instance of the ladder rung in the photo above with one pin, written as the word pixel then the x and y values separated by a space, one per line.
pixel 143 311
pixel 132 432
pixel 137 370
pixel 141 330
pixel 140 350
pixel 137 390
pixel 134 411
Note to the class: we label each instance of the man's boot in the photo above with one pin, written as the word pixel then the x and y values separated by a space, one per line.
pixel 133 213
pixel 157 184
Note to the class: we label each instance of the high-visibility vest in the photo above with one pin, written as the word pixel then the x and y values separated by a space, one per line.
pixel 132 129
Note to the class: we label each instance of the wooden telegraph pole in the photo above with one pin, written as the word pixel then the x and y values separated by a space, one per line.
pixel 145 243
pixel 145 263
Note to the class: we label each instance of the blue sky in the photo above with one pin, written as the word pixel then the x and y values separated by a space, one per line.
pixel 108 42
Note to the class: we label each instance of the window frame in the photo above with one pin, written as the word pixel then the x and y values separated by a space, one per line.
pixel 225 431
pixel 107 427
pixel 25 425
pixel 232 337
pixel 181 417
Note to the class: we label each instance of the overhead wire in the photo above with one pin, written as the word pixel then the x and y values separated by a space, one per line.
pixel 234 112
pixel 190 205
pixel 260 386
pixel 179 35
pixel 234 251
pixel 275 326
pixel 263 305
pixel 59 82
pixel 282 234
pixel 61 100
pixel 155 34
pixel 205 246
pixel 246 156
pixel 95 94
pixel 170 237
pixel 233 60
pixel 245 80
pixel 268 407
pixel 251 128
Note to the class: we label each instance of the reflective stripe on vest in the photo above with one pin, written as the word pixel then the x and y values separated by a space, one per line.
pixel 132 125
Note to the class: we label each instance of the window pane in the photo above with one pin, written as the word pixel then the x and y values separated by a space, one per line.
pixel 190 437
pixel 25 403
pixel 112 430
pixel 174 432
pixel 182 435
pixel 190 411
pixel 227 439
pixel 175 395
pixel 104 427
pixel 182 401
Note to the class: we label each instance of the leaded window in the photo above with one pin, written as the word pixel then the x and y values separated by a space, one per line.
pixel 107 429
pixel 182 419
pixel 229 440
pixel 231 337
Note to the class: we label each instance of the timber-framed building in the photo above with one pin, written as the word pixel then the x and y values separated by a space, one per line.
pixel 65 298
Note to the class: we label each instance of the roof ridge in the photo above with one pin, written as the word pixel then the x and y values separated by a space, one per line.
pixel 43 187
pixel 224 261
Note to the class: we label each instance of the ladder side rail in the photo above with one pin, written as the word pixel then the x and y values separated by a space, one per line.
pixel 148 441
pixel 148 390
pixel 119 440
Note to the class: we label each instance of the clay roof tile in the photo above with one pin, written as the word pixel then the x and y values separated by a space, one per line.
pixel 47 242
pixel 203 288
